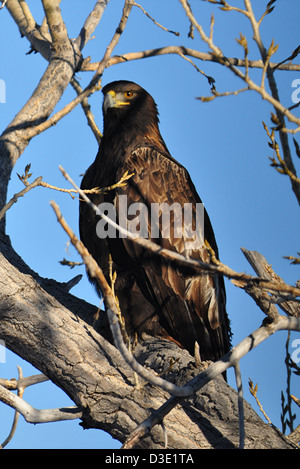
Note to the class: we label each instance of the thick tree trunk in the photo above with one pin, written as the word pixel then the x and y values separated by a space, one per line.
pixel 54 331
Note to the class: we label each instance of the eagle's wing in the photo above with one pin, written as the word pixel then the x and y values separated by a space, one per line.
pixel 190 306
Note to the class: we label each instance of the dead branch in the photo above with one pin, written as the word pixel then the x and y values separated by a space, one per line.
pixel 33 415
pixel 264 270
pixel 154 21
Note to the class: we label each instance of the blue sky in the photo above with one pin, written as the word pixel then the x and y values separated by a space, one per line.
pixel 221 143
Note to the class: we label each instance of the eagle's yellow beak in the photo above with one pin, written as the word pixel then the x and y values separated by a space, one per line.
pixel 114 100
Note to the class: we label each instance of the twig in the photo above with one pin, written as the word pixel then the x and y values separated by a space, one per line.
pixel 272 98
pixel 87 110
pixel 15 198
pixel 38 182
pixel 239 385
pixel 294 260
pixel 154 21
pixel 216 94
pixel 70 264
pixel 243 42
pixel 3 4
pixel 253 392
pixel 287 416
pixel 17 414
pixel 280 165
pixel 211 80
pixel 15 384
pixel 291 57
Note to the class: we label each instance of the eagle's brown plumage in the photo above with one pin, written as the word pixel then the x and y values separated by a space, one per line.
pixel 155 296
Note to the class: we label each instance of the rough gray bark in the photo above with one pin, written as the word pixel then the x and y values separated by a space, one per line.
pixel 53 330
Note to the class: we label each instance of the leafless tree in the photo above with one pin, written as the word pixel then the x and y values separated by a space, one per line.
pixel 159 396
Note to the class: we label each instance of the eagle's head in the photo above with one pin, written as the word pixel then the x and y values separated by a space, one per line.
pixel 128 105
pixel 124 95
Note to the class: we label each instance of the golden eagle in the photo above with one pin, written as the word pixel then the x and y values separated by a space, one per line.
pixel 156 296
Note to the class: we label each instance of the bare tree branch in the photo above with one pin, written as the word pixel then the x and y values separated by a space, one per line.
pixel 15 198
pixel 33 415
pixel 37 40
pixel 90 24
pixel 154 21
pixel 184 51
pixel 15 384
pixel 56 25
pixel 16 416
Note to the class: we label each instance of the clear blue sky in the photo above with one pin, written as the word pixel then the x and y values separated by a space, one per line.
pixel 221 143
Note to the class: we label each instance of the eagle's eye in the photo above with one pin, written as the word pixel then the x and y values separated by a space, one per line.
pixel 128 94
